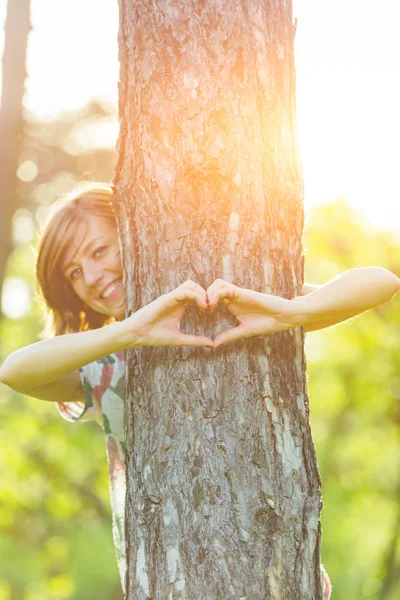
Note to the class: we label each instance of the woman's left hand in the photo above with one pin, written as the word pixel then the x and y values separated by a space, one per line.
pixel 257 313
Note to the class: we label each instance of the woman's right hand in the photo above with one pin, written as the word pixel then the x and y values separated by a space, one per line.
pixel 158 323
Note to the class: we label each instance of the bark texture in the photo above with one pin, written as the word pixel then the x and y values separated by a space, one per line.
pixel 223 497
pixel 17 28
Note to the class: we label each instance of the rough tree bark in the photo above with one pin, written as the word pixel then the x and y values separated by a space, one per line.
pixel 223 497
pixel 17 28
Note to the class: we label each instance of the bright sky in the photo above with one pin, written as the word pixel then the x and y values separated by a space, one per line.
pixel 348 64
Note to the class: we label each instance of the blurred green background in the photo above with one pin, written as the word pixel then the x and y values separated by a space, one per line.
pixel 55 523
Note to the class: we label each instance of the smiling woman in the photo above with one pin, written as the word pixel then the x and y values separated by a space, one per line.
pixel 80 275
pixel 93 267
pixel 86 219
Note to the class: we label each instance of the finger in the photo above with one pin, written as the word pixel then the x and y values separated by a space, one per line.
pixel 215 286
pixel 229 335
pixel 185 296
pixel 189 283
pixel 187 339
pixel 195 287
pixel 226 293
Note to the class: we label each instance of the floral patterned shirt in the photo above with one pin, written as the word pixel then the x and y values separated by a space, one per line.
pixel 103 384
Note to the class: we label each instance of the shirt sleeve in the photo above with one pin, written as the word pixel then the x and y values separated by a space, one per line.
pixel 89 409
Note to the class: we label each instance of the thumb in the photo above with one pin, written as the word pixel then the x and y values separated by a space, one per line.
pixel 229 335
pixel 187 339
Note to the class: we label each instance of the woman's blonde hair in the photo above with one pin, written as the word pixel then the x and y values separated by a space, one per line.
pixel 65 311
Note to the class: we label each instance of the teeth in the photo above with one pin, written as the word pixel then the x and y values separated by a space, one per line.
pixel 110 289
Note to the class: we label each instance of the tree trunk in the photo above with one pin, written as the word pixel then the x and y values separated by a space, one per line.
pixel 17 28
pixel 223 496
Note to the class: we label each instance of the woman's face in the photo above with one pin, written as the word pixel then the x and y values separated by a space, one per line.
pixel 92 265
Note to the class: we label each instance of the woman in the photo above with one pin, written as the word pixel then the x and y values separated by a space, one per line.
pixel 80 276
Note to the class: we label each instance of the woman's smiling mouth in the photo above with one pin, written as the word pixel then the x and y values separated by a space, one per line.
pixel 111 289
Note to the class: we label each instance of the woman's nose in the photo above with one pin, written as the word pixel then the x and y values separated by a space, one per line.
pixel 93 273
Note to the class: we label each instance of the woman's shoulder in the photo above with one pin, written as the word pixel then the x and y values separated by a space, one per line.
pixel 112 359
pixel 105 371
pixel 109 363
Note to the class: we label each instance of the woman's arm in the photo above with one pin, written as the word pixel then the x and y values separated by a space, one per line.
pixel 350 294
pixel 44 368
pixel 346 296
pixel 308 288
pixel 53 359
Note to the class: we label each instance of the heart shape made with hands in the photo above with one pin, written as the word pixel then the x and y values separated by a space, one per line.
pixel 257 313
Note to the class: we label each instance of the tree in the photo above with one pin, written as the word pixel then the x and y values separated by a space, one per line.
pixel 223 497
pixel 11 118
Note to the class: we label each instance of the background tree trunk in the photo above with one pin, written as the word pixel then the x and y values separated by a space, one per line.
pixel 223 496
pixel 17 28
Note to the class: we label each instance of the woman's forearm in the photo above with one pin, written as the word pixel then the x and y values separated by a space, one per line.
pixel 348 295
pixel 52 359
pixel 156 324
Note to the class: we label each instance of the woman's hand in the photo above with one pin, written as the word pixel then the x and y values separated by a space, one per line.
pixel 157 324
pixel 257 313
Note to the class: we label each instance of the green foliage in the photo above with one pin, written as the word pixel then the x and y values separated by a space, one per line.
pixel 55 519
pixel 55 522
pixel 354 389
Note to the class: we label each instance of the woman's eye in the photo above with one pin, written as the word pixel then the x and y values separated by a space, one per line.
pixel 74 274
pixel 99 251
